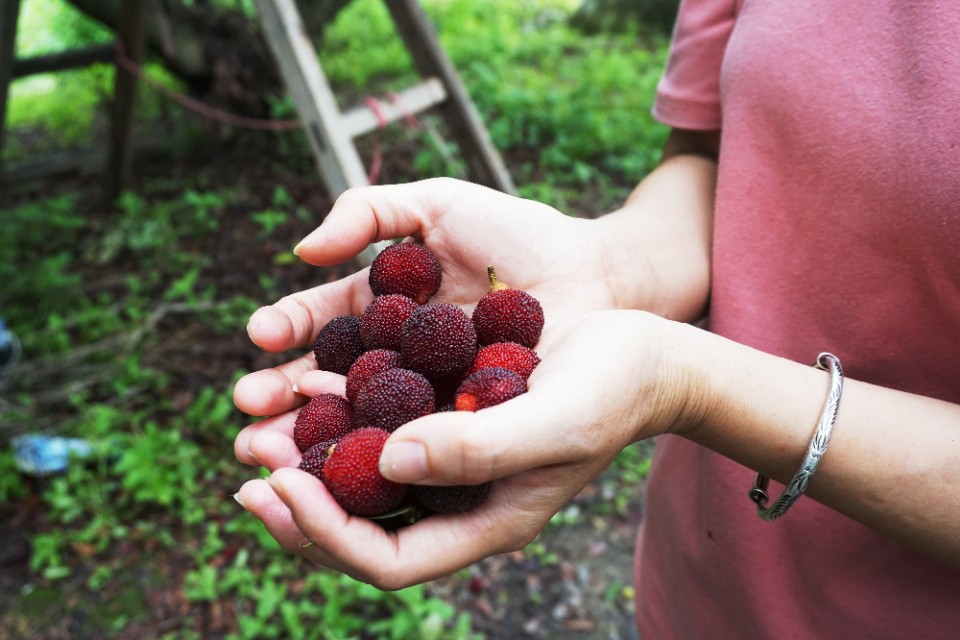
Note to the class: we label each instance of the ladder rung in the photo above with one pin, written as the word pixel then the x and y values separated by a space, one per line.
pixel 420 97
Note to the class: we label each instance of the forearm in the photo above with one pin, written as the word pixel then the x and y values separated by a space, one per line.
pixel 657 246
pixel 893 462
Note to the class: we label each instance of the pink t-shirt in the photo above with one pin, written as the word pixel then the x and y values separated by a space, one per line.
pixel 837 229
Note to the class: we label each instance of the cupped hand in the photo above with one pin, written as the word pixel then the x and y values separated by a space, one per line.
pixel 606 380
pixel 558 259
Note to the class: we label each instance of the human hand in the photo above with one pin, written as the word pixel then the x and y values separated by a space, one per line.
pixel 606 380
pixel 557 259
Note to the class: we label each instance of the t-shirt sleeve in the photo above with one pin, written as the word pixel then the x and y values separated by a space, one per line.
pixel 688 94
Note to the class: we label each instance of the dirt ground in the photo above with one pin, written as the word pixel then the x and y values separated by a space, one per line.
pixel 574 584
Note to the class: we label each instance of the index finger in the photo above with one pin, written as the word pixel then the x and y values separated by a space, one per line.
pixel 364 215
pixel 295 320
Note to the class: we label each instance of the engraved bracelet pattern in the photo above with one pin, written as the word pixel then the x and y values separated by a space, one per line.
pixel 818 445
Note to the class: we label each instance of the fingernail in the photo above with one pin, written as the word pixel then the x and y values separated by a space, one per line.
pixel 236 497
pixel 254 457
pixel 311 237
pixel 404 462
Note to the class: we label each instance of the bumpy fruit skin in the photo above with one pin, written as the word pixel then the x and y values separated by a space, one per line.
pixel 409 269
pixel 508 315
pixel 509 355
pixel 393 398
pixel 489 387
pixel 381 321
pixel 326 417
pixel 439 341
pixel 368 365
pixel 315 458
pixel 352 474
pixel 338 344
pixel 457 499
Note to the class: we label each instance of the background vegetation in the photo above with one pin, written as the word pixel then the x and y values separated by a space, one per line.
pixel 131 318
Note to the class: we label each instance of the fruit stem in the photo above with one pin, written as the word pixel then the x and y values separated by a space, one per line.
pixel 495 285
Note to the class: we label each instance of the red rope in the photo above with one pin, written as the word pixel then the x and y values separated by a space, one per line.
pixel 376 161
pixel 408 116
pixel 196 106
pixel 245 122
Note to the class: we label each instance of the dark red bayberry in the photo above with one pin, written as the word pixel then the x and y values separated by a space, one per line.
pixel 456 499
pixel 438 340
pixel 338 344
pixel 393 398
pixel 507 315
pixel 368 365
pixel 489 387
pixel 381 321
pixel 315 457
pixel 409 269
pixel 326 417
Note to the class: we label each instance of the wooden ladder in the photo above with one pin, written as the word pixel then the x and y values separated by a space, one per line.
pixel 332 132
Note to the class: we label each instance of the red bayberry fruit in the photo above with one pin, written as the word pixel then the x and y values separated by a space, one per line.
pixel 315 457
pixel 338 344
pixel 488 387
pixel 438 340
pixel 381 321
pixel 326 417
pixel 507 315
pixel 456 499
pixel 409 269
pixel 393 398
pixel 508 355
pixel 368 365
pixel 352 474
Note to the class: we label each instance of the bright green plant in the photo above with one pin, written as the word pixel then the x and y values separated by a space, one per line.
pixel 11 485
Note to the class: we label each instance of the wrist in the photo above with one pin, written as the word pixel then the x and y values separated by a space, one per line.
pixel 652 266
pixel 692 393
pixel 752 407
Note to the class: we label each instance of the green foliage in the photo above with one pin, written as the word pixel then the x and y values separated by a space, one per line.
pixel 629 469
pixel 579 104
pixel 48 26
pixel 33 286
pixel 324 605
pixel 64 102
pixel 11 485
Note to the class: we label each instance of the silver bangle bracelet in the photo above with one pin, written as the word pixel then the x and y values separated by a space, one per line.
pixel 818 445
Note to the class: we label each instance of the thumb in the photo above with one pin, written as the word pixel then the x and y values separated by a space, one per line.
pixel 467 448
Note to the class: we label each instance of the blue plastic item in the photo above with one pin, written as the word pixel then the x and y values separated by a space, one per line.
pixel 39 455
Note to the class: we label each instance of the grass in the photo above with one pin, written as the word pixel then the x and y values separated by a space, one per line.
pixel 87 290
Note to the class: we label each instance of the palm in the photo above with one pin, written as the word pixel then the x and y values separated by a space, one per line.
pixel 530 249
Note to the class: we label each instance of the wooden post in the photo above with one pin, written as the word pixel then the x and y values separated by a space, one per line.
pixel 132 37
pixel 9 11
pixel 461 115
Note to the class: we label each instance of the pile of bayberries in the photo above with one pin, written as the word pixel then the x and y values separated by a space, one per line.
pixel 403 358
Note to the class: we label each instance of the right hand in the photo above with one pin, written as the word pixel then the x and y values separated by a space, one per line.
pixel 606 380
